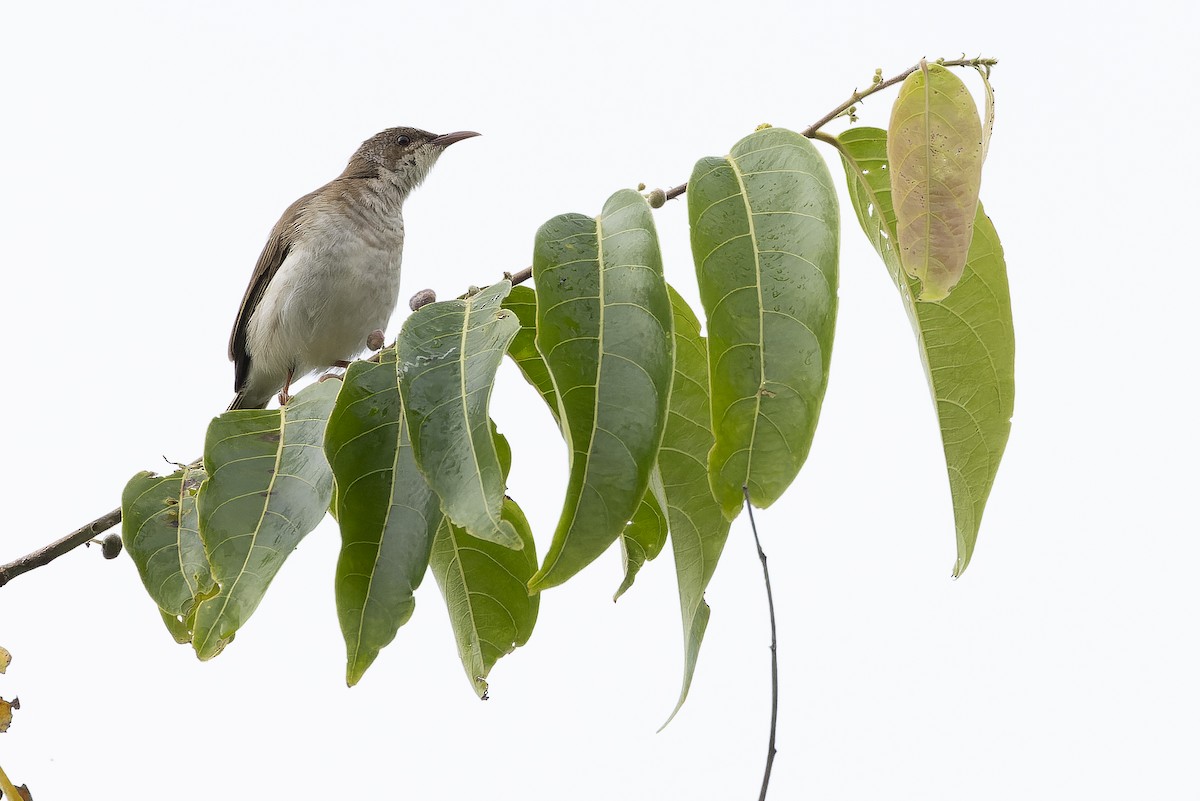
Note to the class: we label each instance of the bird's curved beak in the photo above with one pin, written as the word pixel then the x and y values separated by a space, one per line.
pixel 445 140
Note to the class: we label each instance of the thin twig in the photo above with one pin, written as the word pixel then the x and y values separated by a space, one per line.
pixel 675 192
pixel 658 197
pixel 54 550
pixel 857 96
pixel 102 524
pixel 762 557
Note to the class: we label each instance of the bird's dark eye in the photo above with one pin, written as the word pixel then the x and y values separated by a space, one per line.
pixel 403 141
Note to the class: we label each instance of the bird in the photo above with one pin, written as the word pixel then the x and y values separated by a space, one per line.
pixel 329 276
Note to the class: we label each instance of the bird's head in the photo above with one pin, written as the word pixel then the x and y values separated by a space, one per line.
pixel 404 155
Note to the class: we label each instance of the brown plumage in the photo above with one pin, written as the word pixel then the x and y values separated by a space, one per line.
pixel 329 274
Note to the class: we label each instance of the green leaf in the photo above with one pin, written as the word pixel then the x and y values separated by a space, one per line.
pixel 645 535
pixel 966 340
pixel 484 585
pixel 160 530
pixel 643 538
pixel 180 626
pixel 522 301
pixel 268 486
pixel 387 513
pixel 698 526
pixel 935 153
pixel 604 329
pixel 449 353
pixel 503 450
pixel 765 241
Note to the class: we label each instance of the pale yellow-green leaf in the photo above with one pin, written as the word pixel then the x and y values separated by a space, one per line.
pixel 989 114
pixel 966 341
pixel 935 153
pixel 6 708
pixel 7 788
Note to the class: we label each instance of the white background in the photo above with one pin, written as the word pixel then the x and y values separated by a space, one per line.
pixel 146 150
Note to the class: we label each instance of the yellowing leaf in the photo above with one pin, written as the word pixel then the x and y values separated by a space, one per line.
pixel 935 153
pixel 5 659
pixel 6 708
pixel 989 114
pixel 9 791
pixel 966 340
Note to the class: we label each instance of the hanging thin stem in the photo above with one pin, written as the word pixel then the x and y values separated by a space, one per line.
pixel 762 557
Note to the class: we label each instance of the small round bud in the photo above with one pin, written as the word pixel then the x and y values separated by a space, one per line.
pixel 422 298
pixel 641 187
pixel 656 198
pixel 110 546
pixel 375 340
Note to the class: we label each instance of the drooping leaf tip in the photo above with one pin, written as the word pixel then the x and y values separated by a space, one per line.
pixel 355 670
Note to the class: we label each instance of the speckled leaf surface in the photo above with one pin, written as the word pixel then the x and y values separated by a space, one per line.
pixel 698 526
pixel 268 486
pixel 448 356
pixel 387 513
pixel 643 538
pixel 966 340
pixel 522 302
pixel 989 114
pixel 935 158
pixel 484 585
pixel 765 241
pixel 160 529
pixel 604 330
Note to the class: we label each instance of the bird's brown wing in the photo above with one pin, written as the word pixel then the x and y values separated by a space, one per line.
pixel 279 244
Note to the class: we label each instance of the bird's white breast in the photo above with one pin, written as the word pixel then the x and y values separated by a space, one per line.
pixel 339 282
